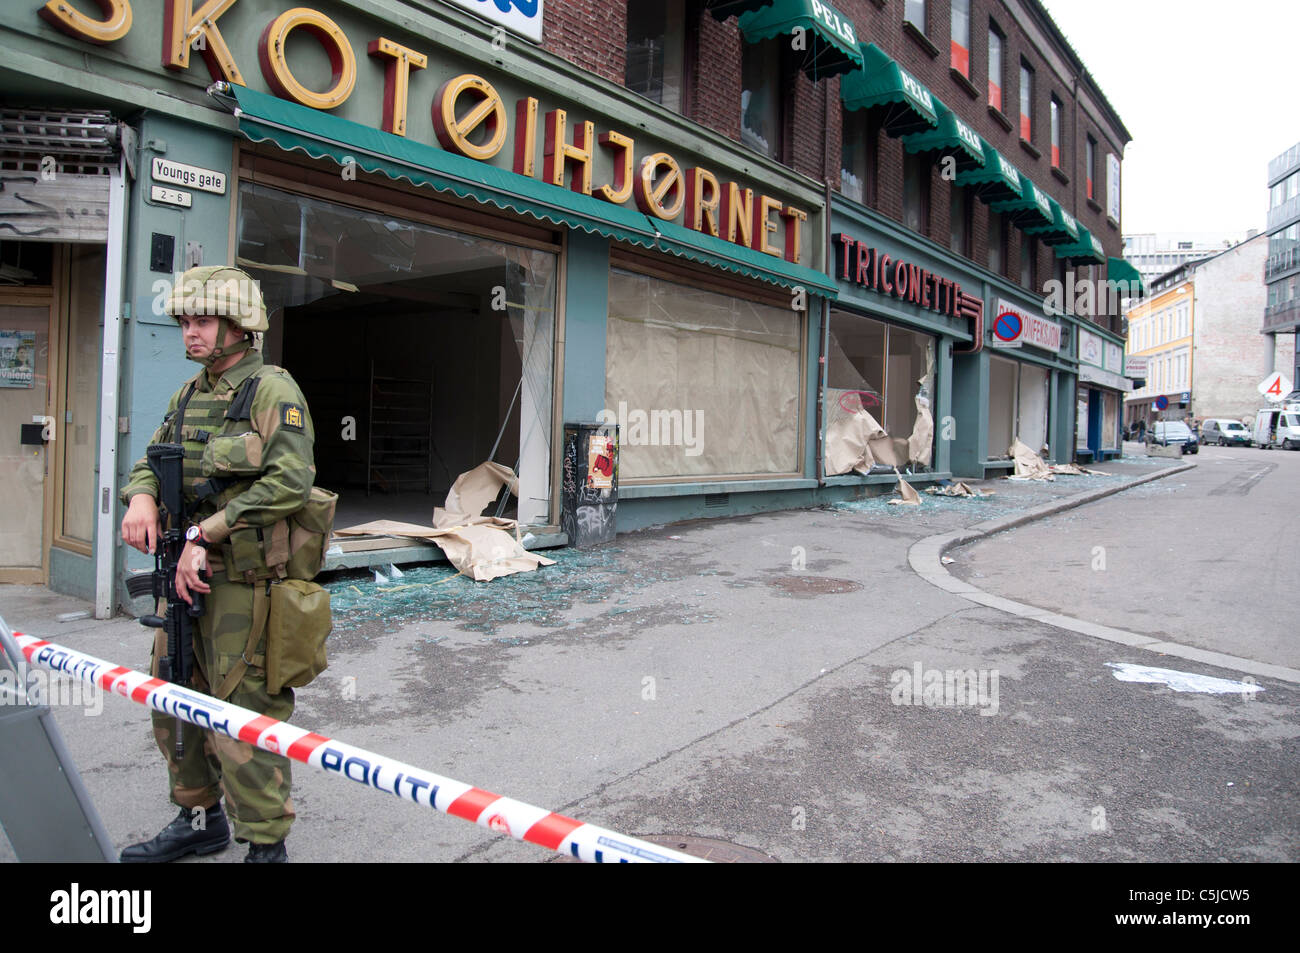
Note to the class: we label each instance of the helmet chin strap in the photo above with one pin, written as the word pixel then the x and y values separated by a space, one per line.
pixel 219 352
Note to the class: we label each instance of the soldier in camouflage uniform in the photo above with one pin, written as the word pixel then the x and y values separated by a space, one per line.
pixel 248 464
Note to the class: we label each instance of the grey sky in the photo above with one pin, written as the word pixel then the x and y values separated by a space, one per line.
pixel 1207 90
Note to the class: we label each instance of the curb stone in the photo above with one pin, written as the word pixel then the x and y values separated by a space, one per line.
pixel 925 557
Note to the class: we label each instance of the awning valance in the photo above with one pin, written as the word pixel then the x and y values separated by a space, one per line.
pixel 1063 230
pixel 997 181
pixel 1033 208
pixel 908 106
pixel 1087 250
pixel 1118 269
pixel 264 118
pixel 829 37
pixel 951 136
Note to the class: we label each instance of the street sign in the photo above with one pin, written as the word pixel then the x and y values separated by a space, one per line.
pixel 1162 402
pixel 1275 386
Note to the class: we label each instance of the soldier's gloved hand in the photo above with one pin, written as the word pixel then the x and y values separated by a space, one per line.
pixel 190 571
pixel 141 526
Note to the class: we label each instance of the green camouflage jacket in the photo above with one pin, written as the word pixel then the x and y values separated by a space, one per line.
pixel 269 455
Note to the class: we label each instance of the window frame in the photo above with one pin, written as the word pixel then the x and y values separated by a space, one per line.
pixel 1058 135
pixel 1026 102
pixel 959 61
pixel 1001 83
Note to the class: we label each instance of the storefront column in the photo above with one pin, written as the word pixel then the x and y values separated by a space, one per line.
pixel 1063 417
pixel 1053 417
pixel 970 392
pixel 942 406
pixel 586 303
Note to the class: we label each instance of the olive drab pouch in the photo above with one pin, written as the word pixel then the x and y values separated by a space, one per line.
pixel 298 542
pixel 237 454
pixel 296 630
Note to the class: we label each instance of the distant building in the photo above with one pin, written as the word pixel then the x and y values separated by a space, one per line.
pixel 1197 334
pixel 1157 253
pixel 1282 266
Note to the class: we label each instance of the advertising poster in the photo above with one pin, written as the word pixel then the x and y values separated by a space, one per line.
pixel 17 358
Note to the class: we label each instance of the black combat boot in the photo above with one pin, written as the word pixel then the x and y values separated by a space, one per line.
pixel 267 854
pixel 179 838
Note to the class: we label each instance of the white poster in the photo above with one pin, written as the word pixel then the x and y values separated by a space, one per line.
pixel 1112 187
pixel 518 16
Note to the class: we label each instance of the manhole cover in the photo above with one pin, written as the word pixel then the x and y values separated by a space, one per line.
pixel 711 849
pixel 813 585
pixel 706 848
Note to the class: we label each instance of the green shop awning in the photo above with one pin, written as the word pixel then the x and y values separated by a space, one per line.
pixel 951 136
pixel 721 9
pixel 830 38
pixel 1033 208
pixel 881 83
pixel 264 118
pixel 1063 230
pixel 1117 269
pixel 997 181
pixel 1087 250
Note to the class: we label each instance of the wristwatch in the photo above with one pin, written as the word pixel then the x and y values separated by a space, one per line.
pixel 195 535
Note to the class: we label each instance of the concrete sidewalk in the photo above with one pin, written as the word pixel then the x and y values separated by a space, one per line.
pixel 651 686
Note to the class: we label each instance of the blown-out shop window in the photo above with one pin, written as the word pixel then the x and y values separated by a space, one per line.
pixel 419 349
pixel 702 384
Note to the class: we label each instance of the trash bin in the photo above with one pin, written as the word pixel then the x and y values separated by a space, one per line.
pixel 589 484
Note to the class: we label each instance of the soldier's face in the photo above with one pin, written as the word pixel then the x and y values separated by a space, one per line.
pixel 201 333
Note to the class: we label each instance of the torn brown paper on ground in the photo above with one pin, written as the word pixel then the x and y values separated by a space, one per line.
pixel 478 546
pixel 957 489
pixel 909 496
pixel 1029 465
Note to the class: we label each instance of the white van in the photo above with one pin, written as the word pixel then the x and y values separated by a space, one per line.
pixel 1277 428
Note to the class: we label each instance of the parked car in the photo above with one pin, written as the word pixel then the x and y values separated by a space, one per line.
pixel 1225 433
pixel 1277 428
pixel 1173 433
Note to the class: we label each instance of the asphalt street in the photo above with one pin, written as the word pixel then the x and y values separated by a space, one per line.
pixel 750 680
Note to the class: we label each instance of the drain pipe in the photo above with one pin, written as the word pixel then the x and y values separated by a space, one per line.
pixel 821 357
pixel 110 391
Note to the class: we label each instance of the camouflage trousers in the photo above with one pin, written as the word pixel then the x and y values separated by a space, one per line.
pixel 255 782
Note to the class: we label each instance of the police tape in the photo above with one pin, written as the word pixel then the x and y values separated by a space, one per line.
pixel 501 814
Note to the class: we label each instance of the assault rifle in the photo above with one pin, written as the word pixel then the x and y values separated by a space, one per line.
pixel 167 461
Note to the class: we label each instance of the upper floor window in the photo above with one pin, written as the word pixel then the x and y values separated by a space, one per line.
pixel 1026 102
pixel 656 31
pixel 996 43
pixel 916 193
pixel 1056 133
pixel 1090 167
pixel 961 37
pixel 1029 262
pixel 960 215
pixel 999 230
pixel 761 97
pixel 858 155
pixel 914 13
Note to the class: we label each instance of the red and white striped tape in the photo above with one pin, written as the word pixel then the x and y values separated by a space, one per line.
pixel 501 814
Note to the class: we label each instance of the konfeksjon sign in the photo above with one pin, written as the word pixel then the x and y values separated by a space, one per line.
pixel 469 118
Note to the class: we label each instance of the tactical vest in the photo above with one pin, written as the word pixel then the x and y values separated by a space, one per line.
pixel 223 458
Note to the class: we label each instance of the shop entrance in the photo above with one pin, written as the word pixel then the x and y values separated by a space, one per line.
pixel 422 352
pixel 25 327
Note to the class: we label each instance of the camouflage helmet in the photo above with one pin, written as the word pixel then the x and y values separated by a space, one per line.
pixel 219 290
